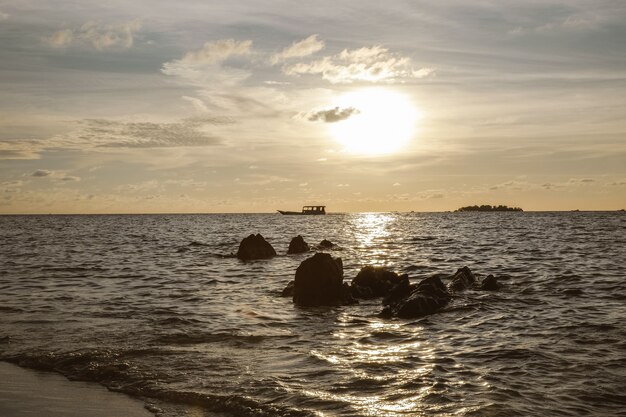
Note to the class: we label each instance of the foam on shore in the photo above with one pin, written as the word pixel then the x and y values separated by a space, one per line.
pixel 24 392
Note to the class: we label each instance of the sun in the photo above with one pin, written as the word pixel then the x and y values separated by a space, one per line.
pixel 381 122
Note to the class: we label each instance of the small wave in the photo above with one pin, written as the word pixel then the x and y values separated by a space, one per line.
pixel 200 338
pixel 196 243
pixel 11 309
pixel 422 238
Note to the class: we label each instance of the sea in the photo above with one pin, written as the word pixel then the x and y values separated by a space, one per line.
pixel 156 306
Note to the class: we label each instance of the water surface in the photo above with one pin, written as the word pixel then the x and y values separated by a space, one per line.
pixel 149 305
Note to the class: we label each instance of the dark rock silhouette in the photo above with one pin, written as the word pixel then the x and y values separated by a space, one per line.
pixel 490 284
pixel 298 245
pixel 319 282
pixel 326 244
pixel 399 291
pixel 288 290
pixel 462 279
pixel 428 297
pixel 255 247
pixel 376 280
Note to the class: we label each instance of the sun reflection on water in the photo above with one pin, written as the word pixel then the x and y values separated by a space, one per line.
pixel 371 230
pixel 393 369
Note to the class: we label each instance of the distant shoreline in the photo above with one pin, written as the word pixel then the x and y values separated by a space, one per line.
pixel 488 208
pixel 272 213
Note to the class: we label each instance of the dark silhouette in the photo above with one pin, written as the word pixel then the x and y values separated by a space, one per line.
pixel 487 207
pixel 255 247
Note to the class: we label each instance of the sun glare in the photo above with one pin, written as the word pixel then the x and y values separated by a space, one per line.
pixel 383 122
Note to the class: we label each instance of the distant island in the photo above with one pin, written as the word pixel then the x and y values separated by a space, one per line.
pixel 487 207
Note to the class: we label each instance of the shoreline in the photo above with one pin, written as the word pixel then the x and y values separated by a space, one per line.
pixel 27 392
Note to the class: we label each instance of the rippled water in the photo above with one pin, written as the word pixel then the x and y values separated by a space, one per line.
pixel 148 305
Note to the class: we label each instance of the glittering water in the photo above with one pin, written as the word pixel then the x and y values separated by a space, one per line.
pixel 149 305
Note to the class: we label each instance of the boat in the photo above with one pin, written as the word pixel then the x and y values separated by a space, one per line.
pixel 306 210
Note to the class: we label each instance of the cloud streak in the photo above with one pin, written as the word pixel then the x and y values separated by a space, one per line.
pixel 41 173
pixel 96 35
pixel 207 65
pixel 299 49
pixel 370 64
pixel 336 114
pixel 113 134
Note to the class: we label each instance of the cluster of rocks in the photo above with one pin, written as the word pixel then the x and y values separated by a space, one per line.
pixel 319 282
pixel 256 247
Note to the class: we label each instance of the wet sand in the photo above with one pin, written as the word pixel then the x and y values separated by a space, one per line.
pixel 24 392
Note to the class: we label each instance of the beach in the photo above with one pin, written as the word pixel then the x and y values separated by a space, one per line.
pixel 25 393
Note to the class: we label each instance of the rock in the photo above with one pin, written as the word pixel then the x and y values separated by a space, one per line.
pixel 398 292
pixel 288 290
pixel 361 292
pixel 326 244
pixel 462 279
pixel 428 297
pixel 298 245
pixel 255 247
pixel 319 282
pixel 378 280
pixel 490 284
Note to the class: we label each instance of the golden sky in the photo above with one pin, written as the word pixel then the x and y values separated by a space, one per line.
pixel 253 106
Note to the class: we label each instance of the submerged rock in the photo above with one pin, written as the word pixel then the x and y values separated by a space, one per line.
pixel 255 247
pixel 298 245
pixel 377 281
pixel 288 290
pixel 398 292
pixel 490 284
pixel 428 297
pixel 463 278
pixel 319 282
pixel 326 244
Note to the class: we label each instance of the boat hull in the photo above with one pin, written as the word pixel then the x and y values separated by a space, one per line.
pixel 299 213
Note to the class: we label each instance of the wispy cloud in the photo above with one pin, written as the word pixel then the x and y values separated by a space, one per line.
pixel 92 134
pixel 206 65
pixel 333 115
pixel 216 52
pixel 373 64
pixel 3 16
pixel 96 35
pixel 111 134
pixel 299 49
pixel 41 173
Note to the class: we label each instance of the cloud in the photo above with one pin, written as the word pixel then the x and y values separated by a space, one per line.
pixel 216 52
pixel 206 65
pixel 299 49
pixel 92 134
pixel 114 134
pixel 373 64
pixel 96 35
pixel 18 150
pixel 41 173
pixel 70 178
pixel 197 104
pixel 332 115
pixel 3 16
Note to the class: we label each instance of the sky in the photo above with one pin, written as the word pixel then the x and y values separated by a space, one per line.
pixel 252 106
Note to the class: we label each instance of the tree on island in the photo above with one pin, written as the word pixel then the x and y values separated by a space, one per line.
pixel 487 207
